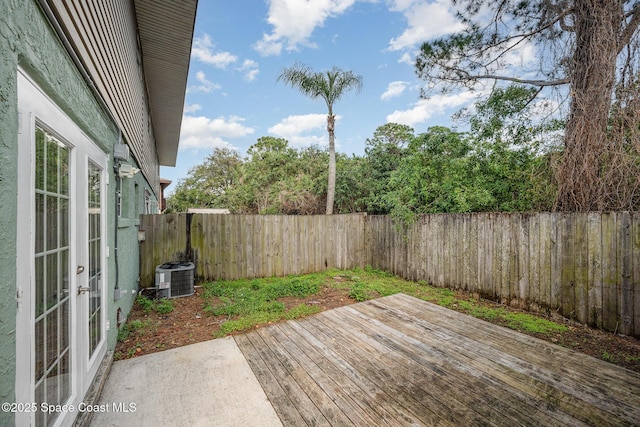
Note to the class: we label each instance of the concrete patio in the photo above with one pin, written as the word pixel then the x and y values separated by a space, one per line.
pixel 204 384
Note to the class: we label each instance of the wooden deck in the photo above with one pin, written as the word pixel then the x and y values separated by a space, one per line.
pixel 402 361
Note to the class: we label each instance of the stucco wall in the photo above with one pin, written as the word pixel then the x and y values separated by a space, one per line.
pixel 128 249
pixel 8 172
pixel 27 40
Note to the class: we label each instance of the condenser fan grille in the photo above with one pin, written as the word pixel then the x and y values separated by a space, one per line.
pixel 174 279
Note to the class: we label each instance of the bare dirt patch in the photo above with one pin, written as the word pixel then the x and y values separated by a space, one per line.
pixel 189 323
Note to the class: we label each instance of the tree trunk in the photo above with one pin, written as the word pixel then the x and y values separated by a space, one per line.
pixel 331 185
pixel 593 74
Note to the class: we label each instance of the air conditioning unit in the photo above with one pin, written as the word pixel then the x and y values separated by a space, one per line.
pixel 174 279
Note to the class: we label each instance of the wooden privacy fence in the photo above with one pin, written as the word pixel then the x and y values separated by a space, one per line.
pixel 248 246
pixel 585 266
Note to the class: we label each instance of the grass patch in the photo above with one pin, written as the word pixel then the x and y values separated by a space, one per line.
pixel 135 326
pixel 368 284
pixel 250 302
pixel 249 321
pixel 616 356
pixel 530 323
pixel 631 358
pixel 523 322
pixel 160 306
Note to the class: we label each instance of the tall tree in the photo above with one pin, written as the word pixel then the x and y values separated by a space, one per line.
pixel 438 174
pixel 270 162
pixel 514 151
pixel 384 152
pixel 207 184
pixel 582 44
pixel 329 85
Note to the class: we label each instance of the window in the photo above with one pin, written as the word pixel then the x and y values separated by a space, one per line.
pixel 150 206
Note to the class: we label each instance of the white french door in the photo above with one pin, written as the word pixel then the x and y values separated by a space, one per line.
pixel 61 316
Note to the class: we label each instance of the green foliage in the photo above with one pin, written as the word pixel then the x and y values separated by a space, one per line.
pixel 384 153
pixel 135 326
pixel 278 179
pixel 163 306
pixel 160 306
pixel 504 163
pixel 330 85
pixel 515 151
pixel 251 302
pixel 145 303
pixel 207 184
pixel 243 297
pixel 439 174
pixel 352 184
pixel 587 48
pixel 359 292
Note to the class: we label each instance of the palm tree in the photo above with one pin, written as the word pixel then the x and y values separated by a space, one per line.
pixel 330 86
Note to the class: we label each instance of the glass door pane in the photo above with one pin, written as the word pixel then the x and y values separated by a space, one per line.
pixel 95 256
pixel 52 373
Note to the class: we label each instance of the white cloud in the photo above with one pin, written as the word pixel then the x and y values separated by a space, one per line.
pixel 205 85
pixel 522 56
pixel 296 125
pixel 425 21
pixel 250 70
pixel 294 21
pixel 203 49
pixel 424 109
pixel 268 46
pixel 394 89
pixel 408 58
pixel 191 108
pixel 203 132
pixel 303 130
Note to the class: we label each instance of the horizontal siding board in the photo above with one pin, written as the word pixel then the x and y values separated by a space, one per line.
pixel 104 36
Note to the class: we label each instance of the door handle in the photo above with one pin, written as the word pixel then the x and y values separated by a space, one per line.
pixel 79 269
pixel 83 289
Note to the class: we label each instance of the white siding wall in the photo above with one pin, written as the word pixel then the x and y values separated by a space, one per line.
pixel 103 34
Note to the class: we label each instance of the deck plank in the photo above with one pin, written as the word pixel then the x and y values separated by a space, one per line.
pixel 516 343
pixel 577 371
pixel 366 395
pixel 411 369
pixel 478 396
pixel 388 381
pixel 290 403
pixel 320 389
pixel 400 361
pixel 515 385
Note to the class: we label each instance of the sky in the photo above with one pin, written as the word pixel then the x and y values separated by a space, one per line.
pixel 240 47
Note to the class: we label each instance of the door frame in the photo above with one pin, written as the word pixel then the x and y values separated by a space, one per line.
pixel 36 108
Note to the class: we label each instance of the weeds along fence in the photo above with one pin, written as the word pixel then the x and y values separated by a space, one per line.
pixel 585 266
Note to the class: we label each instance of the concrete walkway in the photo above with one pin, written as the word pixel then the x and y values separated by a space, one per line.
pixel 204 384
